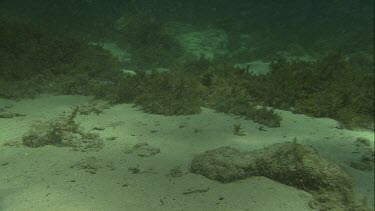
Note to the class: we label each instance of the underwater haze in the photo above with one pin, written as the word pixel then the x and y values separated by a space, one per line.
pixel 187 105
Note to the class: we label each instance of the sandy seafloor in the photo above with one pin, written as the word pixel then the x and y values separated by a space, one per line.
pixel 41 178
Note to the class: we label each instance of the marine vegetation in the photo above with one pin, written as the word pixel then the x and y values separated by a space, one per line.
pixel 33 60
pixel 63 132
pixel 189 87
pixel 147 40
pixel 238 130
pixel 173 93
pixel 235 91
pixel 329 87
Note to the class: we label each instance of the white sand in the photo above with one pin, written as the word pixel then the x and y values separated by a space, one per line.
pixel 41 178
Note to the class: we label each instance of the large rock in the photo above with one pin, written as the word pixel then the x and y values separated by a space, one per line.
pixel 288 163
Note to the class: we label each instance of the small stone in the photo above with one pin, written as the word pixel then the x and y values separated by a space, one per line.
pixel 134 170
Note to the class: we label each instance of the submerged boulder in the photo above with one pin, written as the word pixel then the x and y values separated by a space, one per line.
pixel 288 163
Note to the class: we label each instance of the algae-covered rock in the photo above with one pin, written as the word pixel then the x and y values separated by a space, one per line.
pixel 224 164
pixel 300 166
pixel 288 163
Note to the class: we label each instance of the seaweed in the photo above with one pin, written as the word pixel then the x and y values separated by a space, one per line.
pixel 264 116
pixel 51 132
pixel 238 130
pixel 329 87
pixel 235 91
pixel 64 132
pixel 35 61
pixel 148 41
pixel 173 93
pixel 125 90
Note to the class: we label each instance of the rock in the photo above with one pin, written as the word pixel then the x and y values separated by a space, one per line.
pixel 288 163
pixel 224 164
pixel 362 142
pixel 144 150
pixel 366 162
